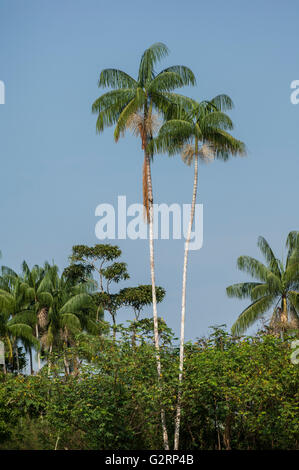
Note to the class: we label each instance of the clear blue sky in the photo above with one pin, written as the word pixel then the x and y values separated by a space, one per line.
pixel 56 169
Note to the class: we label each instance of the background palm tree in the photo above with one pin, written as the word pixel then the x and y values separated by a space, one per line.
pixel 199 132
pixel 276 289
pixel 71 311
pixel 13 305
pixel 39 297
pixel 131 104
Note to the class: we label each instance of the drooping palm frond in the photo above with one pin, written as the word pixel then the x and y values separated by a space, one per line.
pixel 224 143
pixel 23 331
pixel 131 108
pixel 71 321
pixel 216 120
pixel 115 78
pixel 186 74
pixel 269 255
pixel 222 102
pixel 252 313
pixel 172 136
pixel 75 303
pixel 165 81
pixel 242 290
pixel 253 267
pixel 150 57
pixel 110 105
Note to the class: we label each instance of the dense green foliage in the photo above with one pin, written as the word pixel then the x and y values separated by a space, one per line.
pixel 239 394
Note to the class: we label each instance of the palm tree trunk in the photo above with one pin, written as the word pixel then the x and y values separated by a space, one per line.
pixel 38 352
pixel 49 360
pixel 17 356
pixel 155 314
pixel 66 365
pixel 181 366
pixel 284 311
pixel 4 365
pixel 30 361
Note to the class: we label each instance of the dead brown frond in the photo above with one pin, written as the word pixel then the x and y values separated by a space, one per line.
pixel 43 317
pixel 141 127
pixel 206 153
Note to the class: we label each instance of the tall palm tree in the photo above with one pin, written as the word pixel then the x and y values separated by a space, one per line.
pixel 199 132
pixel 39 296
pixel 13 304
pixel 71 311
pixel 276 288
pixel 131 104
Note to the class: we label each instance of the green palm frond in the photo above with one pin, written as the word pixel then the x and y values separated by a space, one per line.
pixel 293 248
pixel 172 136
pixel 46 284
pixel 294 299
pixel 222 102
pixel 217 120
pixel 291 276
pixel 76 303
pixel 253 267
pixel 150 57
pixel 186 74
pixel 252 313
pixel 293 240
pixel 114 78
pixel 70 321
pixel 262 290
pixel 269 255
pixel 115 99
pixel 131 108
pixel 45 299
pixel 165 81
pixel 27 317
pixel 242 290
pixel 22 331
pixel 182 103
pixel 6 271
pixel 224 143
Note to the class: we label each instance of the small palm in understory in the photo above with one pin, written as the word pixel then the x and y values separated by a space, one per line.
pixel 276 289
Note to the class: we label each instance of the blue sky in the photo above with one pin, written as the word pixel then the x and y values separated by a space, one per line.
pixel 56 169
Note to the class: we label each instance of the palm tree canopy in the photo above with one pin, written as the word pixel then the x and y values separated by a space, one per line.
pixel 129 96
pixel 274 283
pixel 204 122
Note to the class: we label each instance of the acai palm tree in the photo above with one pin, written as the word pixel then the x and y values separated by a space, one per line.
pixel 276 289
pixel 199 133
pixel 131 104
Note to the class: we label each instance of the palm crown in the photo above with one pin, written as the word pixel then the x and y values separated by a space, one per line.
pixel 277 286
pixel 131 102
pixel 204 123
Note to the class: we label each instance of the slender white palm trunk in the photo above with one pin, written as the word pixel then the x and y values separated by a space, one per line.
pixel 183 311
pixel 155 314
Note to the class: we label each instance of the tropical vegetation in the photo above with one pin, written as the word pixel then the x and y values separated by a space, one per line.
pixel 73 377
